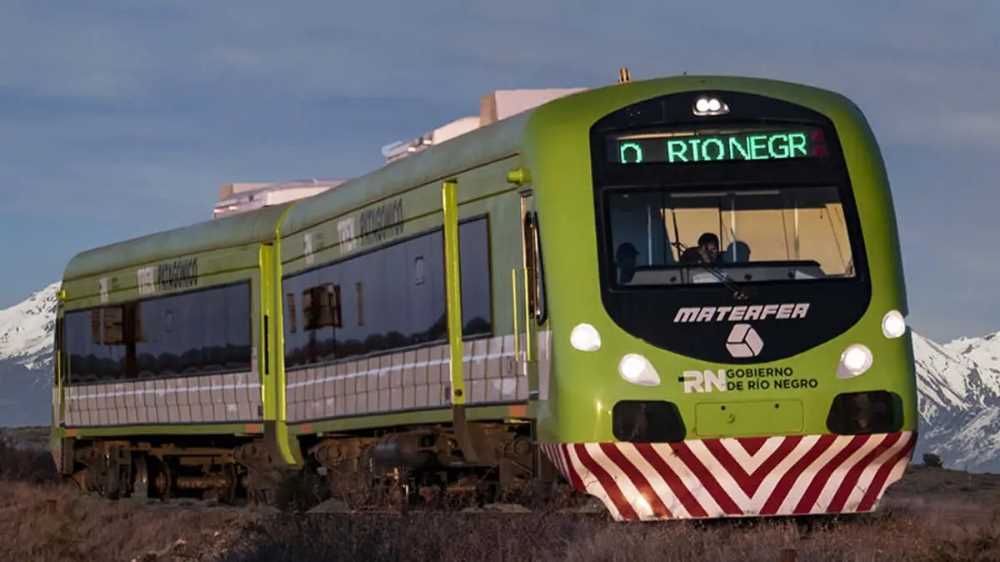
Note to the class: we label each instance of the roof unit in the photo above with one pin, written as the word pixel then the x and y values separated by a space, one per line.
pixel 402 149
pixel 501 104
pixel 237 198
pixel 493 107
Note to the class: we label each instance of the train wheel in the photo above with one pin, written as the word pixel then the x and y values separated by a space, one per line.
pixel 140 477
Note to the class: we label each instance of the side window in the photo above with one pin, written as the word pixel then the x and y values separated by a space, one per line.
pixel 474 251
pixel 200 332
pixel 100 343
pixel 377 301
pixel 95 351
pixel 392 297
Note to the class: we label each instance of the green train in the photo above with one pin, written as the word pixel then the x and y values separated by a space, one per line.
pixel 682 296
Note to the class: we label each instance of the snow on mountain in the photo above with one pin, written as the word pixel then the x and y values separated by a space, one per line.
pixel 958 384
pixel 26 329
pixel 959 401
pixel 984 351
pixel 941 379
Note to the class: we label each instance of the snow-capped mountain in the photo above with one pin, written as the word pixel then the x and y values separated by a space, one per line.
pixel 958 384
pixel 959 401
pixel 26 330
pixel 26 334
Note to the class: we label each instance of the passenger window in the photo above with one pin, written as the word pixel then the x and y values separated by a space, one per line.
pixel 199 332
pixel 388 298
pixel 477 306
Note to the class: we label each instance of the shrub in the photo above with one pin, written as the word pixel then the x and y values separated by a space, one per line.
pixel 932 460
pixel 30 465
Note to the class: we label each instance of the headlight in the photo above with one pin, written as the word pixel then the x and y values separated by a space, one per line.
pixel 710 106
pixel 636 369
pixel 893 324
pixel 585 338
pixel 855 360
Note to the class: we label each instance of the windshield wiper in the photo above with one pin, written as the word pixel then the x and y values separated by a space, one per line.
pixel 737 291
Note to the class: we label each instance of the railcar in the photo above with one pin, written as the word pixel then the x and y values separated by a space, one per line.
pixel 682 296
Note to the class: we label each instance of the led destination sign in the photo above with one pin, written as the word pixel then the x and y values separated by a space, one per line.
pixel 687 147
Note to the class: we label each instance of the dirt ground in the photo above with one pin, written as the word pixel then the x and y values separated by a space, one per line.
pixel 932 515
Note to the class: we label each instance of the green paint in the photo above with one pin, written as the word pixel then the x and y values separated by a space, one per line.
pixel 379 421
pixel 453 290
pixel 164 429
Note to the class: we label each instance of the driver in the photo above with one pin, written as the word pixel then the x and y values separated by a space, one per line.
pixel 626 256
pixel 707 250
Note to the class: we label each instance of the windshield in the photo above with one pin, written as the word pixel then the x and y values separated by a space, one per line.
pixel 661 237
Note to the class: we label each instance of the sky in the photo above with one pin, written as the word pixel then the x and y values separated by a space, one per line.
pixel 118 119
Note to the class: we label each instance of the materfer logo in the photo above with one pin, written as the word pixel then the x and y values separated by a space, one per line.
pixel 784 311
pixel 744 341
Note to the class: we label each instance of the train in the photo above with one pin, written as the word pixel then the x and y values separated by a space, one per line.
pixel 681 296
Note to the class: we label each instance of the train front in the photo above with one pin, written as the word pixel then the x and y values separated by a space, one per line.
pixel 727 307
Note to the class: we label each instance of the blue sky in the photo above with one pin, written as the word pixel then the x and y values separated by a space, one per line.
pixel 122 118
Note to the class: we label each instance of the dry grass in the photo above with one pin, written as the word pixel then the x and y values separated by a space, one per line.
pixel 893 536
pixel 53 522
pixel 25 464
pixel 43 519
pixel 936 516
pixel 29 437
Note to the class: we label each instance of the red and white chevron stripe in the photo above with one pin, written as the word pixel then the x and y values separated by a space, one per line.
pixel 736 477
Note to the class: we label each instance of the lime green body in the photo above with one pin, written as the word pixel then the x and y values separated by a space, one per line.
pixel 573 392
pixel 587 385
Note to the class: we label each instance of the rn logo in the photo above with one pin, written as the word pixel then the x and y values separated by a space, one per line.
pixel 704 381
pixel 744 341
